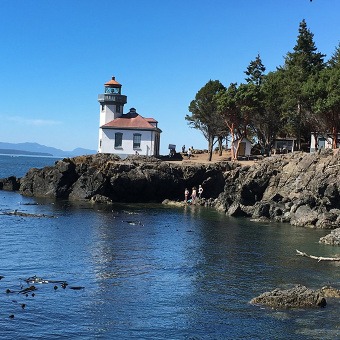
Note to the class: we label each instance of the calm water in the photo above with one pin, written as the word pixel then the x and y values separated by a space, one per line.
pixel 153 272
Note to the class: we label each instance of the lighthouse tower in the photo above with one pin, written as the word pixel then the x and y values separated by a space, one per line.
pixel 111 105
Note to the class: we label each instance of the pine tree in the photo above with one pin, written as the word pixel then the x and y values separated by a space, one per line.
pixel 299 66
pixel 255 71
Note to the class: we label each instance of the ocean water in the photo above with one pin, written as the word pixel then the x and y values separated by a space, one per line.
pixel 147 271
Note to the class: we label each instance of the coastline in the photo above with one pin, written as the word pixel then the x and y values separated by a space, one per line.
pixel 297 188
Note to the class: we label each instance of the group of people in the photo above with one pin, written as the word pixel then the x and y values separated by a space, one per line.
pixel 193 194
pixel 190 150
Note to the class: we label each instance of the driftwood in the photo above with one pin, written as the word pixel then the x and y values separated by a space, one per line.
pixel 319 258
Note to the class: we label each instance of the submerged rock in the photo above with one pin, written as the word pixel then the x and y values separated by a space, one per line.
pixel 297 297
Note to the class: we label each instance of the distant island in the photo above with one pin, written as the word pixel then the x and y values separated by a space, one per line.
pixel 35 149
pixel 22 152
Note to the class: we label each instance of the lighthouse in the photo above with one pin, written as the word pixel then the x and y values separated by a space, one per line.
pixel 111 105
pixel 125 134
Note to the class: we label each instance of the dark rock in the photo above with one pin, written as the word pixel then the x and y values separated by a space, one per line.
pixel 304 216
pixel 333 238
pixel 297 297
pixel 105 178
pixel 10 184
pixel 262 209
pixel 236 210
pixel 297 188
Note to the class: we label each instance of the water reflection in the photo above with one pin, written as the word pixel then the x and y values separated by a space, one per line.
pixel 151 271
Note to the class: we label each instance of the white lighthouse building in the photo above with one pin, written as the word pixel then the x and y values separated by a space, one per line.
pixel 125 134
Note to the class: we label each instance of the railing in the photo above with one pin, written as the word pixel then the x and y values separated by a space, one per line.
pixel 108 97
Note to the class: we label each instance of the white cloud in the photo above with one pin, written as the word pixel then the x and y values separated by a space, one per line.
pixel 35 122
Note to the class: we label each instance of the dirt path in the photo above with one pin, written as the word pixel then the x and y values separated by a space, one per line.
pixel 202 158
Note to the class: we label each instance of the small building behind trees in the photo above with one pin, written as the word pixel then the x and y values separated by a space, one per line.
pixel 324 141
pixel 284 145
pixel 244 147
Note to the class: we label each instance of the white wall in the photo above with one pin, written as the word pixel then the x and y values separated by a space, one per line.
pixel 248 146
pixel 108 142
pixel 108 114
pixel 323 143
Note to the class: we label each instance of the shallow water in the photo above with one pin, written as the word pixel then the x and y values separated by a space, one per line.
pixel 154 272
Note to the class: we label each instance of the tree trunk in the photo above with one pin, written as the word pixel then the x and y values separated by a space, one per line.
pixel 210 148
pixel 315 141
pixel 334 136
pixel 298 134
pixel 220 146
pixel 238 147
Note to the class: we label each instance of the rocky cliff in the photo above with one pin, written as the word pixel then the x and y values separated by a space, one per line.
pixel 303 189
pixel 104 177
pixel 299 188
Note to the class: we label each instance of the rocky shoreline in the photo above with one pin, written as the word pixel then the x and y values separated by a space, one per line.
pixel 297 188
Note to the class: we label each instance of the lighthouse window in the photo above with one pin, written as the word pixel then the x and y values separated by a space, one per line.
pixel 118 108
pixel 118 139
pixel 136 140
pixel 103 107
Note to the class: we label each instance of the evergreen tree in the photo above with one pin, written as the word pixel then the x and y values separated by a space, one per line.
pixel 255 71
pixel 299 66
pixel 334 62
pixel 325 93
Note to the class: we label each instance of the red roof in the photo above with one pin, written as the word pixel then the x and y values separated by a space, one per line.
pixel 151 120
pixel 112 82
pixel 131 120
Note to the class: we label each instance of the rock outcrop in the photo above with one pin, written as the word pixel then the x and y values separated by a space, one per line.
pixel 297 297
pixel 10 184
pixel 107 178
pixel 303 189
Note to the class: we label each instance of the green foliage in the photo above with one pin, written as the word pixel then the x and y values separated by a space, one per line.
pixel 299 66
pixel 300 97
pixel 204 116
pixel 255 71
pixel 334 62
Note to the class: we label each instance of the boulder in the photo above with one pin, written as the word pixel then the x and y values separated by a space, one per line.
pixel 332 239
pixel 304 216
pixel 10 184
pixel 297 297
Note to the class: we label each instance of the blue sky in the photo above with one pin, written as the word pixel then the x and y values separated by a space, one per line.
pixel 57 55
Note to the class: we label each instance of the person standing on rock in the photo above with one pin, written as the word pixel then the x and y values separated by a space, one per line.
pixel 186 195
pixel 189 153
pixel 200 191
pixel 193 195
